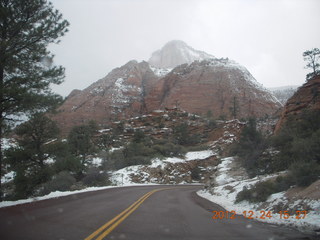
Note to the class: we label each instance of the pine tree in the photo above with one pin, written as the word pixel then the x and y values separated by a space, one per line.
pixel 312 57
pixel 26 70
pixel 28 159
pixel 234 109
pixel 80 140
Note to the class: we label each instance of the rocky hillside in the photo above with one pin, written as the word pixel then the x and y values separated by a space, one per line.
pixel 120 94
pixel 220 86
pixel 307 97
pixel 174 170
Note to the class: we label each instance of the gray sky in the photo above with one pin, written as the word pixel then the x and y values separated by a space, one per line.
pixel 268 37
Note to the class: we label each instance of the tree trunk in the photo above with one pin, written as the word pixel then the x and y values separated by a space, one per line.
pixel 1 124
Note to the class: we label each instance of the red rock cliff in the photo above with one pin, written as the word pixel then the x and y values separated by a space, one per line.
pixel 307 97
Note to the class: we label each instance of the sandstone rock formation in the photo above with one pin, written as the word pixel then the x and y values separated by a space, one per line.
pixel 307 97
pixel 118 95
pixel 220 86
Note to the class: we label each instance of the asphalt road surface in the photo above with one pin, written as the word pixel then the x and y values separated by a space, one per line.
pixel 133 213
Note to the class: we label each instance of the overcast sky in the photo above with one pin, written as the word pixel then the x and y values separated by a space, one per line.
pixel 268 37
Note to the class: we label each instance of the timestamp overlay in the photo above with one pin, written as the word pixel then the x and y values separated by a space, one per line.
pixel 298 214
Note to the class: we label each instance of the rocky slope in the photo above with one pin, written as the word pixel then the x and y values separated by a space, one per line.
pixel 118 95
pixel 218 85
pixel 307 97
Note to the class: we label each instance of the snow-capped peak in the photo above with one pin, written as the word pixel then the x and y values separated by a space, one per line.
pixel 175 53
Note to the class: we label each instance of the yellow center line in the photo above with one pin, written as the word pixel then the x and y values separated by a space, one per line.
pixel 122 216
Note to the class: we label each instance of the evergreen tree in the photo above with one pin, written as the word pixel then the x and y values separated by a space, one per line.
pixel 80 140
pixel 312 57
pixel 26 70
pixel 28 159
pixel 234 109
pixel 251 145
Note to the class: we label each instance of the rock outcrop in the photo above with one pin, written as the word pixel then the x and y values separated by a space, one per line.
pixel 119 95
pixel 307 97
pixel 219 86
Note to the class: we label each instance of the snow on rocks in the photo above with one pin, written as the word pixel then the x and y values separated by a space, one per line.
pixel 124 175
pixel 7 143
pixel 228 183
pixel 96 161
pixel 147 173
pixel 160 72
pixel 190 156
pixel 8 177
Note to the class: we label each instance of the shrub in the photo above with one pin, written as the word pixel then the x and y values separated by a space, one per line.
pixel 60 182
pixel 195 174
pixel 284 182
pixel 258 193
pixel 212 124
pixel 250 148
pixel 95 177
pixel 304 173
pixel 168 149
pixel 298 140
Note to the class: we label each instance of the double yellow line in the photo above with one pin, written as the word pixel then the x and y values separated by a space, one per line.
pixel 113 223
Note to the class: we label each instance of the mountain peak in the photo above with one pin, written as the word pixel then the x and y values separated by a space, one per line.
pixel 174 53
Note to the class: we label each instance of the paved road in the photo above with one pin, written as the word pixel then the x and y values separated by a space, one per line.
pixel 174 213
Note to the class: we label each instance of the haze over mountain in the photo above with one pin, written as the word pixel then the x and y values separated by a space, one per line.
pixel 207 84
pixel 175 53
pixel 284 93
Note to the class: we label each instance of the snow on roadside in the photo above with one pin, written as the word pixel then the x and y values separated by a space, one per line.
pixel 55 194
pixel 58 194
pixel 227 188
pixel 118 178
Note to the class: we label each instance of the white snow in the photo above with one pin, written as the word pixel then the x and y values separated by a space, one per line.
pixel 97 90
pixel 96 161
pixel 199 155
pixel 190 156
pixel 58 194
pixel 7 143
pixel 160 72
pixel 121 87
pixel 104 130
pixel 8 177
pixel 49 161
pixel 122 176
pixel 227 188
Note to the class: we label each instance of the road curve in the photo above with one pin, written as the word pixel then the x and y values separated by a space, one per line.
pixel 133 213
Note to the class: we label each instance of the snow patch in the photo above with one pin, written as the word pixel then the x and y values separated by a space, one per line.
pixel 190 156
pixel 227 187
pixel 160 72
pixel 8 177
pixel 121 87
